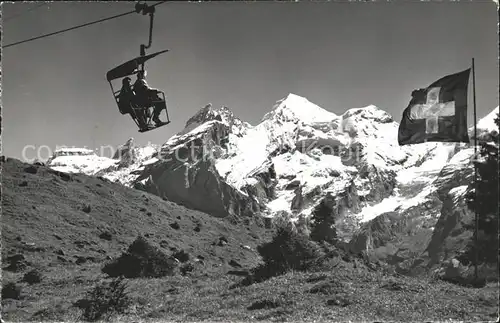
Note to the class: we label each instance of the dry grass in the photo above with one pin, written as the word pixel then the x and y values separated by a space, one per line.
pixel 344 294
pixel 46 212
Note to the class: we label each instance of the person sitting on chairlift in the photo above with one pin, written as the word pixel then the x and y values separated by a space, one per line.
pixel 147 95
pixel 127 102
pixel 126 94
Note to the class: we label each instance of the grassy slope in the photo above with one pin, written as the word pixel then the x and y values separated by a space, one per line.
pixel 48 206
pixel 45 214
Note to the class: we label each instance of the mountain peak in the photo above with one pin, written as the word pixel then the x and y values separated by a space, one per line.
pixel 488 122
pixel 487 130
pixel 129 142
pixel 296 108
pixel 369 112
pixel 203 115
pixel 208 113
pixel 72 151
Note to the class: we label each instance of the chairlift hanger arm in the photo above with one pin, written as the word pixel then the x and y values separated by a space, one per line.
pixel 145 9
pixel 151 16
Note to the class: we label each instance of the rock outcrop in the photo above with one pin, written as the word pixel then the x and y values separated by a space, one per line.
pixel 185 173
pixel 126 154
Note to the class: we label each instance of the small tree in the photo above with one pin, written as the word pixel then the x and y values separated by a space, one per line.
pixel 289 250
pixel 11 290
pixel 141 260
pixel 105 300
pixel 32 277
pixel 323 227
pixel 484 201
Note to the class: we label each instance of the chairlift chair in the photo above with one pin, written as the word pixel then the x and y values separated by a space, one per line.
pixel 132 67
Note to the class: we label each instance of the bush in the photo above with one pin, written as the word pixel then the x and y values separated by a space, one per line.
pixel 141 260
pixel 11 290
pixel 264 304
pixel 186 269
pixel 87 208
pixel 287 251
pixel 17 263
pixel 105 236
pixel 485 203
pixel 105 300
pixel 323 227
pixel 181 255
pixel 32 277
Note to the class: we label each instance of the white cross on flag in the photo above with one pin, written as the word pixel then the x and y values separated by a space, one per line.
pixel 437 113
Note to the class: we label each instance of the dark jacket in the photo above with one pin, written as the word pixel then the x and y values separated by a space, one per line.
pixel 125 97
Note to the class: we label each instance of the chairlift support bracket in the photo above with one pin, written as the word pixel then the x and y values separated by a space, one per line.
pixel 146 10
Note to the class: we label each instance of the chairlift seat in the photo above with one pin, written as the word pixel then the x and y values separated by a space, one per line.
pixel 134 108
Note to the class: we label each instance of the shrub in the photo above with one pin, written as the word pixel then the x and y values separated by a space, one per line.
pixel 106 235
pixel 105 300
pixel 287 251
pixel 181 255
pixel 17 263
pixel 141 260
pixel 186 268
pixel 264 304
pixel 323 227
pixel 32 277
pixel 11 290
pixel 331 287
pixel 485 203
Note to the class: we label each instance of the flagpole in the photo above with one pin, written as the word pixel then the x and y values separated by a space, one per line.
pixel 476 218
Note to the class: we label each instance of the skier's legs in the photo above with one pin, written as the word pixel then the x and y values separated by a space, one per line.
pixel 140 115
pixel 157 110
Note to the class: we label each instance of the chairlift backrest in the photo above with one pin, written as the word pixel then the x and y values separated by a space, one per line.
pixel 130 67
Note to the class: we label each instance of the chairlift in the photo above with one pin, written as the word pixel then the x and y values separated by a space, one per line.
pixel 138 110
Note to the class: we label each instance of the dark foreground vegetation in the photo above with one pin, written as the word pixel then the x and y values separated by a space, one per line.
pixel 311 283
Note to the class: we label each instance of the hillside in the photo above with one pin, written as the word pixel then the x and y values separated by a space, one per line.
pixel 55 221
pixel 70 225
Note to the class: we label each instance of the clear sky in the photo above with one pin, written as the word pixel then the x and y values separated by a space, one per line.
pixel 244 55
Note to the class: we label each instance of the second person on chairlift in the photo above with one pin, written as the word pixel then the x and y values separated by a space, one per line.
pixel 148 96
pixel 127 101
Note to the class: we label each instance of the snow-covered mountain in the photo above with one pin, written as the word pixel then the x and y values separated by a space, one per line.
pixel 126 161
pixel 381 195
pixel 296 157
pixel 79 160
pixel 487 130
